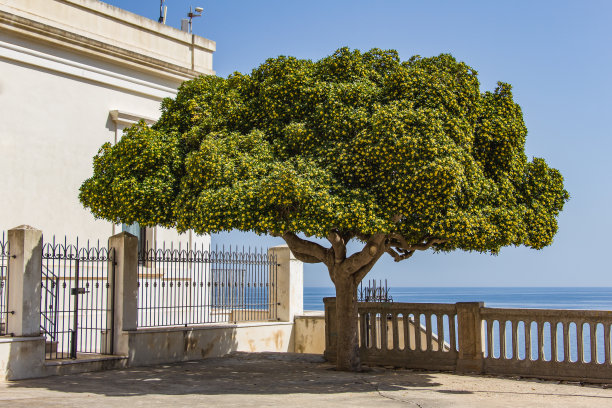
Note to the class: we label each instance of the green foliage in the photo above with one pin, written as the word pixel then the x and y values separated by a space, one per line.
pixel 353 143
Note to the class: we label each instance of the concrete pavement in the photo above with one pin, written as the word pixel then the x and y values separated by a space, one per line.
pixel 290 380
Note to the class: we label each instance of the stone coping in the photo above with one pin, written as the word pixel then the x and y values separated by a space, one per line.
pixel 8 339
pixel 84 360
pixel 311 313
pixel 213 326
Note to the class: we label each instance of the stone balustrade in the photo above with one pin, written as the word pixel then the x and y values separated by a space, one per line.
pixel 468 337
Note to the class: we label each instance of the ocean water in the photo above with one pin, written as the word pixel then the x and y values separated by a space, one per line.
pixel 530 297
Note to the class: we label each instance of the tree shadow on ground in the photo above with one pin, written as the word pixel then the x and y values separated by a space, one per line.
pixel 240 373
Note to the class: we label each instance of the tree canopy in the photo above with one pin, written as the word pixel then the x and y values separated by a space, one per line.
pixel 355 144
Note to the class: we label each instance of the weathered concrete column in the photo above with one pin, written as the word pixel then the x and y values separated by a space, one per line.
pixel 25 264
pixel 290 283
pixel 470 337
pixel 331 332
pixel 125 281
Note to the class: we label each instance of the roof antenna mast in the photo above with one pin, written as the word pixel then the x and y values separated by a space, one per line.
pixel 186 23
pixel 162 12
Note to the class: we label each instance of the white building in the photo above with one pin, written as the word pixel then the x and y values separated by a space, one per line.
pixel 73 74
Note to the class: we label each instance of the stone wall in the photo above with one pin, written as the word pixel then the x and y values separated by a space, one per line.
pixel 570 345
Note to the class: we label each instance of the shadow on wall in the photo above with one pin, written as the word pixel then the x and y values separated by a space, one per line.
pixel 240 373
pixel 148 347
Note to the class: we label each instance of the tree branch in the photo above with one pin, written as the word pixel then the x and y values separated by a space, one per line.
pixel 304 257
pixel 373 249
pixel 338 245
pixel 308 250
pixel 367 267
pixel 397 257
pixel 425 243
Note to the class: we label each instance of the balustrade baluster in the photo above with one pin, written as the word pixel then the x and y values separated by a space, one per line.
pixel 579 341
pixel 528 340
pixel 606 344
pixel 540 324
pixel 515 342
pixel 451 331
pixel 417 332
pixel 566 341
pixel 592 327
pixel 384 326
pixel 553 341
pixel 490 352
pixel 394 327
pixel 406 319
pixel 428 333
pixel 502 339
pixel 362 330
pixel 374 330
pixel 440 321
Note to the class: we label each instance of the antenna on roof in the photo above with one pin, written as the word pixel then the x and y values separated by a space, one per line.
pixel 186 24
pixel 162 12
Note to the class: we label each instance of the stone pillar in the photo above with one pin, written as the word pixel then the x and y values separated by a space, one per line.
pixel 290 283
pixel 125 281
pixel 331 332
pixel 25 268
pixel 470 337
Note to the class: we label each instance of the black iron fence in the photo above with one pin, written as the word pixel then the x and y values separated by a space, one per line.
pixel 374 292
pixel 196 285
pixel 76 299
pixel 4 306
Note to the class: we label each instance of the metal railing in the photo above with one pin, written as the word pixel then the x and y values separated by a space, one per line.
pixel 195 285
pixel 4 265
pixel 76 299
pixel 374 292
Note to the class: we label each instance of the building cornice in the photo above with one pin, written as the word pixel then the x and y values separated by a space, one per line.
pixel 45 33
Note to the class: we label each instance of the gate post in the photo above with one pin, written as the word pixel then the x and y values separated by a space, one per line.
pixel 470 337
pixel 25 265
pixel 22 355
pixel 289 283
pixel 125 284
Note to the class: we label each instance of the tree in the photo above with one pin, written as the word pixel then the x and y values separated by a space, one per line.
pixel 402 156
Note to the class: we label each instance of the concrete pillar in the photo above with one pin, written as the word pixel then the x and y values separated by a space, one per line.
pixel 290 283
pixel 470 337
pixel 125 281
pixel 24 279
pixel 331 333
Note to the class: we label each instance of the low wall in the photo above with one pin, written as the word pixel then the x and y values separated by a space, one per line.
pixel 21 357
pixel 570 345
pixel 175 344
pixel 310 333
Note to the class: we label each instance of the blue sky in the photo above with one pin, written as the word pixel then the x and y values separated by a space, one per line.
pixel 557 56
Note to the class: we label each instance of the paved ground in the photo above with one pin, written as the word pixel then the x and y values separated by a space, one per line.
pixel 290 380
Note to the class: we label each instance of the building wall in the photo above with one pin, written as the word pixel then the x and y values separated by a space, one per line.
pixel 74 73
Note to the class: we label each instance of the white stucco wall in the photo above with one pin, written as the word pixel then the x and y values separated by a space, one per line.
pixel 62 73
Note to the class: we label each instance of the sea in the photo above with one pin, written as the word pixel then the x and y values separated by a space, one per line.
pixel 588 298
pixel 582 298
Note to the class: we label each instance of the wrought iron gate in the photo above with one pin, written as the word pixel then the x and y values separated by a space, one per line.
pixel 4 262
pixel 77 299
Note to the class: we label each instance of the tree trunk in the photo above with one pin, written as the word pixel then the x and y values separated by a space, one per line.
pixel 347 352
